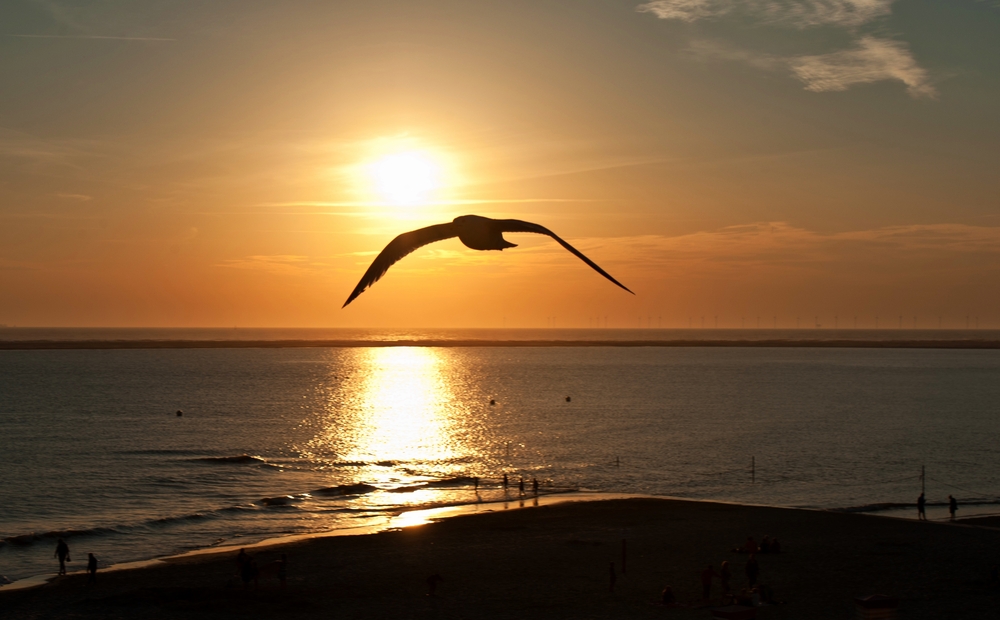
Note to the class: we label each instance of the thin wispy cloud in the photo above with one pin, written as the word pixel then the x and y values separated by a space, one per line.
pixel 383 204
pixel 85 36
pixel 780 244
pixel 798 13
pixel 279 264
pixel 872 59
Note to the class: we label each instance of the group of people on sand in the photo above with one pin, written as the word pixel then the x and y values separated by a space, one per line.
pixel 247 569
pixel 520 484
pixel 922 507
pixel 62 552
pixel 754 593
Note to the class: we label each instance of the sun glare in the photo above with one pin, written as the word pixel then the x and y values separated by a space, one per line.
pixel 406 177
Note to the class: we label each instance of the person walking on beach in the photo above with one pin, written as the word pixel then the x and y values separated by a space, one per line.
pixel 952 506
pixel 249 572
pixel 91 568
pixel 534 485
pixel 62 552
pixel 921 505
pixel 283 570
pixel 753 569
pixel 520 485
pixel 241 559
pixel 505 482
pixel 725 574
pixel 706 582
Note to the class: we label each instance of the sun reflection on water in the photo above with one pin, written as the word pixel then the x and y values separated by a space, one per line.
pixel 402 414
pixel 397 421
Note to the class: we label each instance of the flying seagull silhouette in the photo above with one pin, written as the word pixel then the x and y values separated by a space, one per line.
pixel 476 232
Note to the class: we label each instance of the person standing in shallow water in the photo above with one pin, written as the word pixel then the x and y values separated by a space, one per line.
pixel 62 552
pixel 921 506
pixel 952 506
pixel 91 568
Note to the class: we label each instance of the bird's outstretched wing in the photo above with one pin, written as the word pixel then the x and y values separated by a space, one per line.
pixel 397 249
pixel 522 226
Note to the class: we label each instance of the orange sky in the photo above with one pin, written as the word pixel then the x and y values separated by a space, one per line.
pixel 175 164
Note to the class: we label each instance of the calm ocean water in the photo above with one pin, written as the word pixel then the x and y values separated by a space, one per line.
pixel 282 441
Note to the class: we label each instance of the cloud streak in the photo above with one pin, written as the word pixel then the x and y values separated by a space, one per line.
pixel 780 244
pixel 872 59
pixel 797 13
pixel 85 36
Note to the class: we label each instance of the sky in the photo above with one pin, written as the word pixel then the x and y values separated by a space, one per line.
pixel 240 163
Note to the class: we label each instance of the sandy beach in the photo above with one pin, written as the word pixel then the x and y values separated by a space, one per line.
pixel 553 562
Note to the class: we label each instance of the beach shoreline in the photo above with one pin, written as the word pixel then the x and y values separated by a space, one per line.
pixel 552 560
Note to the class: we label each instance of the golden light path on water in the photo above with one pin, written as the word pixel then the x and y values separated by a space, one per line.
pixel 397 420
pixel 401 415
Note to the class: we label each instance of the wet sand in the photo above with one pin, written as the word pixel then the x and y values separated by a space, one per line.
pixel 552 562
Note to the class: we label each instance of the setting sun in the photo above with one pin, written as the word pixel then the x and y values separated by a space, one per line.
pixel 406 177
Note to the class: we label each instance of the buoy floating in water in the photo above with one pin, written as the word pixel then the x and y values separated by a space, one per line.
pixel 568 399
pixel 493 402
pixel 179 413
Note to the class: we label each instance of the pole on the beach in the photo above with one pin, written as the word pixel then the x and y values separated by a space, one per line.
pixel 753 470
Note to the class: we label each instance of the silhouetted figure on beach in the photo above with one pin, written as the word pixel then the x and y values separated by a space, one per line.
pixel 952 506
pixel 725 574
pixel 750 546
pixel 241 559
pixel 475 483
pixel 753 569
pixel 706 582
pixel 91 568
pixel 249 572
pixel 667 596
pixel 534 485
pixel 921 508
pixel 520 485
pixel 283 570
pixel 432 584
pixel 506 482
pixel 612 576
pixel 62 552
pixel 765 544
pixel 775 546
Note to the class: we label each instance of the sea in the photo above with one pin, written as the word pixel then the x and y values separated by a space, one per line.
pixel 137 453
